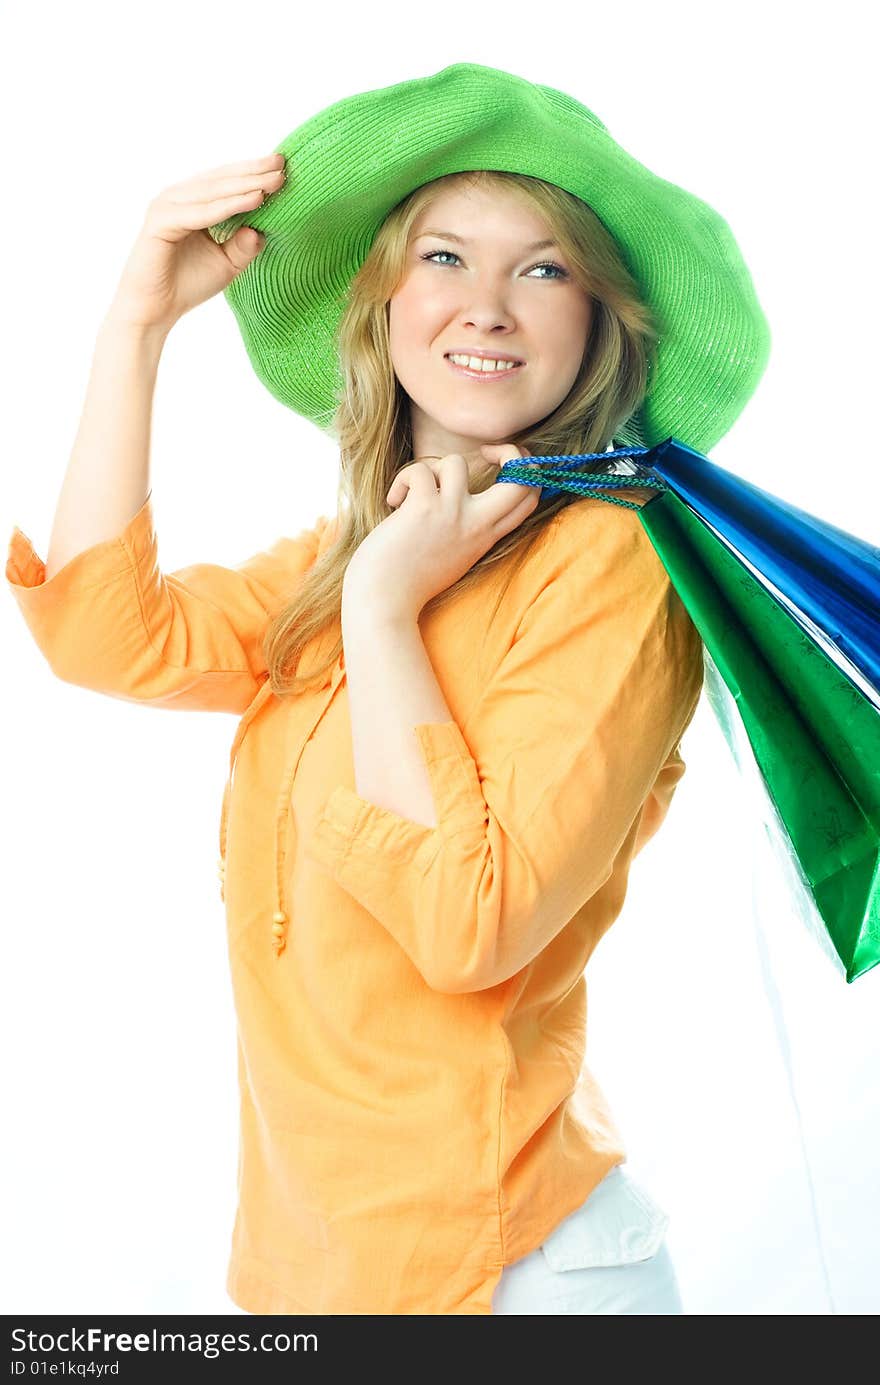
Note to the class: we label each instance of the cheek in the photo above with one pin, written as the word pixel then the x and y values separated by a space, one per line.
pixel 415 319
pixel 406 318
pixel 419 305
pixel 565 328
pixel 399 334
pixel 396 317
pixel 407 342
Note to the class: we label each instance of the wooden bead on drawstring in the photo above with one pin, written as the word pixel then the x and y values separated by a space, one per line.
pixel 279 923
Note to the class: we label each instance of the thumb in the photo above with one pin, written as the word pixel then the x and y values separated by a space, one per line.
pixel 497 453
pixel 248 242
pixel 496 447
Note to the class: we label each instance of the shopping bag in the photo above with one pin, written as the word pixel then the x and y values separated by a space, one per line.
pixel 787 608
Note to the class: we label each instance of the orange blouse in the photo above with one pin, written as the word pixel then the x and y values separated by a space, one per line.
pixel 410 1000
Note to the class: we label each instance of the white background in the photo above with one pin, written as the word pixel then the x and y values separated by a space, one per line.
pixel 120 1097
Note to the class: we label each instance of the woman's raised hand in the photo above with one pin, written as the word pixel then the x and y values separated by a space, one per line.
pixel 174 264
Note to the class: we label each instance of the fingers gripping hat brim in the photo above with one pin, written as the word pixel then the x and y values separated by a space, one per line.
pixel 350 164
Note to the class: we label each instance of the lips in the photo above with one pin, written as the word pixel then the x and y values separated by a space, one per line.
pixel 484 375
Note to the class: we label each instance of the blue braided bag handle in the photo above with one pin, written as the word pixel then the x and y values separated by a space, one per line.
pixel 562 469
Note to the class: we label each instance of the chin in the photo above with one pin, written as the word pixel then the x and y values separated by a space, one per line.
pixel 483 425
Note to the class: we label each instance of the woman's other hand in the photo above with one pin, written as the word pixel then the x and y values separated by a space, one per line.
pixel 438 530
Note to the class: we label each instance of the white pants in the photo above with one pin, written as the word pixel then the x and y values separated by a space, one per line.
pixel 607 1256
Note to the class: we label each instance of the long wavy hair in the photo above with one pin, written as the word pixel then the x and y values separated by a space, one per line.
pixel 372 420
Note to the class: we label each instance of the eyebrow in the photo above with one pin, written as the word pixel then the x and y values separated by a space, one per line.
pixel 450 235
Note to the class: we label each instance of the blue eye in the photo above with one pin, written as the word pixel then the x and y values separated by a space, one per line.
pixel 545 264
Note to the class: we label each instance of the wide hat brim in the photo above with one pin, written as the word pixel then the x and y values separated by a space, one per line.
pixel 350 164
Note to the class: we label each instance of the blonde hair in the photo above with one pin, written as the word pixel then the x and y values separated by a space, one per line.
pixel 372 424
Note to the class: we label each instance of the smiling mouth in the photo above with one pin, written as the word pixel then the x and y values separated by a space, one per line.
pixel 498 372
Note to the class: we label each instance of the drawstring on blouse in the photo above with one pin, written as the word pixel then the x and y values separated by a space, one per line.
pixel 243 725
pixel 280 918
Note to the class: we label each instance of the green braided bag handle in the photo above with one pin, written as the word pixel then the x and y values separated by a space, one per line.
pixel 558 474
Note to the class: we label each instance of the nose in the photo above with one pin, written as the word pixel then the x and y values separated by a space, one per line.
pixel 486 307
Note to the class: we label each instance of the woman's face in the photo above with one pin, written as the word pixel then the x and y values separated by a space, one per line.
pixel 476 282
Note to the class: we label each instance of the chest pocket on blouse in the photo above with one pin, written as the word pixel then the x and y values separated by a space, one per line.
pixel 619 1223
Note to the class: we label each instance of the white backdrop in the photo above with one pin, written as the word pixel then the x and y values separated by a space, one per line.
pixel 741 1067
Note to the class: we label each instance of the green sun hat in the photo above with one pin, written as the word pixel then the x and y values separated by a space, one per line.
pixel 350 164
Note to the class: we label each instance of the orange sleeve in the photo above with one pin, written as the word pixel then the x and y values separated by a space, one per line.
pixel 112 621
pixel 571 753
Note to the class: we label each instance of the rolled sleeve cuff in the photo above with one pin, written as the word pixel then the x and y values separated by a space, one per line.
pixel 92 567
pixel 352 833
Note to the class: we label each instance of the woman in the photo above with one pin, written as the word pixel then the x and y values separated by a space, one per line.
pixel 463 702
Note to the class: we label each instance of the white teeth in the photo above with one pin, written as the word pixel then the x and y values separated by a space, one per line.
pixel 479 363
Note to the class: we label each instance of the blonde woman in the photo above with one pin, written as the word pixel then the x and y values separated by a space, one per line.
pixel 461 701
